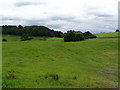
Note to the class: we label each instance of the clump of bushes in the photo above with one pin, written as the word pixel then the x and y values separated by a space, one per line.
pixel 27 36
pixel 74 78
pixel 4 40
pixel 43 38
pixel 73 36
pixel 117 30
pixel 52 76
pixel 10 76
pixel 88 35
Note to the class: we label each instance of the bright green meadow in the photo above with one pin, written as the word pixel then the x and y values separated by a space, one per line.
pixel 53 63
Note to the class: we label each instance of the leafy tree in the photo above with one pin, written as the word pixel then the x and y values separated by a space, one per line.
pixel 73 36
pixel 88 35
pixel 117 30
pixel 27 36
pixel 34 30
pixel 20 26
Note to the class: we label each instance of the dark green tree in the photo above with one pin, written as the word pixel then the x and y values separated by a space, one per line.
pixel 34 30
pixel 88 35
pixel 73 36
pixel 26 36
pixel 117 30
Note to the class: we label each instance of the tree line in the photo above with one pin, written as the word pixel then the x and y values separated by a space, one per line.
pixel 27 33
pixel 32 30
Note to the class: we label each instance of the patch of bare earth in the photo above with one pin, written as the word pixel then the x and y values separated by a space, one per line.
pixel 108 72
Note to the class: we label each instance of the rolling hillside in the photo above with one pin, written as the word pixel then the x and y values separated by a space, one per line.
pixel 92 63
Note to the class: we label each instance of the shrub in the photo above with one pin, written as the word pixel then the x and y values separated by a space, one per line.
pixel 43 38
pixel 88 35
pixel 4 40
pixel 10 76
pixel 52 76
pixel 74 78
pixel 117 30
pixel 73 36
pixel 27 36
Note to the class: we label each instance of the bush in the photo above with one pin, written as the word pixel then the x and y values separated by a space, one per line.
pixel 52 76
pixel 4 40
pixel 10 76
pixel 25 37
pixel 88 35
pixel 43 38
pixel 73 36
pixel 117 30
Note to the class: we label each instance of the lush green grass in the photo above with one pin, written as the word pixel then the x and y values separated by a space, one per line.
pixel 91 63
pixel 110 34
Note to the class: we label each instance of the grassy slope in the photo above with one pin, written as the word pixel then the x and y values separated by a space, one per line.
pixel 111 34
pixel 89 63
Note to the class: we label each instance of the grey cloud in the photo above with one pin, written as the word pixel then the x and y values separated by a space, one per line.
pixel 35 22
pixel 61 18
pixel 103 15
pixel 65 18
pixel 98 13
pixel 20 4
pixel 54 26
pixel 9 18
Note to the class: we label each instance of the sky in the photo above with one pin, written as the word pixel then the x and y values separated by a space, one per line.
pixel 62 15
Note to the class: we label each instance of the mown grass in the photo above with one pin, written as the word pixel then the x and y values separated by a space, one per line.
pixel 92 63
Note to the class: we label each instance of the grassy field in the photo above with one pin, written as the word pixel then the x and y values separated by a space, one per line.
pixel 92 63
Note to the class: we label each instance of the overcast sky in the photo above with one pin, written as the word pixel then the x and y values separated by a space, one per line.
pixel 81 15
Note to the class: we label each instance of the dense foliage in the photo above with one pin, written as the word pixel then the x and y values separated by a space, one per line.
pixel 27 36
pixel 4 40
pixel 33 30
pixel 117 30
pixel 73 36
pixel 88 35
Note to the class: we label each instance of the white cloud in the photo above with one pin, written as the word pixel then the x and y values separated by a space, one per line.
pixel 93 15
